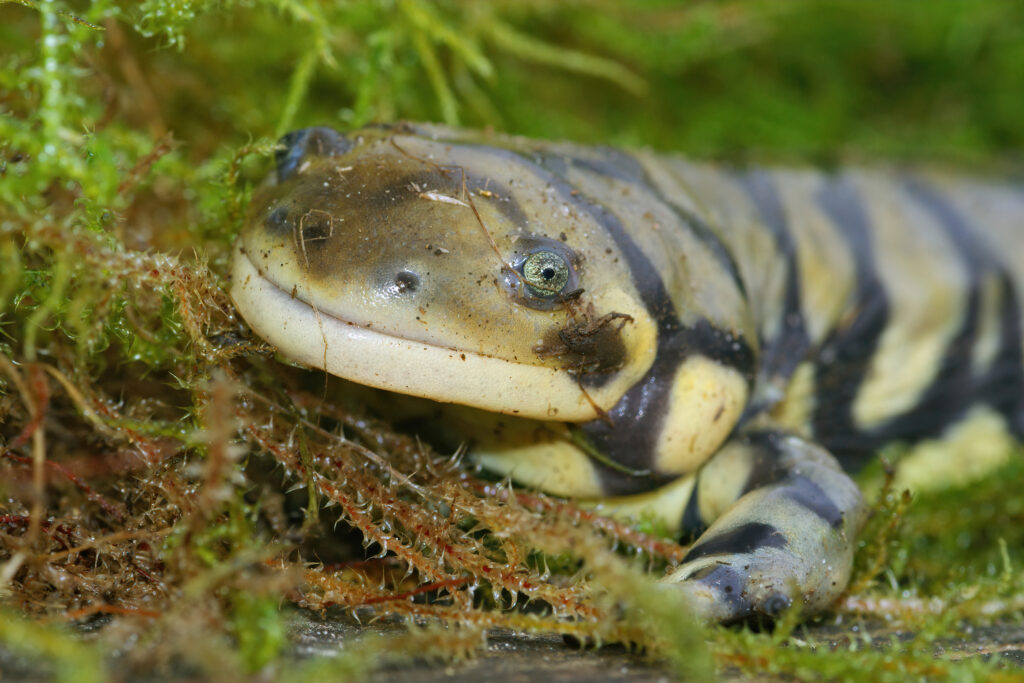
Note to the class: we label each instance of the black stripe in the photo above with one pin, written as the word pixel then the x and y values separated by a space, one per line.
pixel 845 355
pixel 614 163
pixel 710 239
pixel 506 205
pixel 624 167
pixel 765 451
pixel 745 538
pixel 808 494
pixel 693 524
pixel 639 416
pixel 963 236
pixel 951 390
pixel 781 354
pixel 956 384
pixel 1002 386
pixel 702 338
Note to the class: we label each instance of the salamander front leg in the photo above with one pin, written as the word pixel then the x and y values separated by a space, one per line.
pixel 783 521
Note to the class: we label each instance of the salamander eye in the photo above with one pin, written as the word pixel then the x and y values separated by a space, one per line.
pixel 546 273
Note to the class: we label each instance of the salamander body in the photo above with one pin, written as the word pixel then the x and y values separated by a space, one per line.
pixel 716 347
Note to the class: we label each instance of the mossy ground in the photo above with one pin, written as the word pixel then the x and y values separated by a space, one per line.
pixel 162 472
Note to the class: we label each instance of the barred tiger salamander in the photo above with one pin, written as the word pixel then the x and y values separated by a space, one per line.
pixel 716 347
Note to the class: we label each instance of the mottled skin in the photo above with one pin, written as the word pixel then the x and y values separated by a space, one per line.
pixel 656 336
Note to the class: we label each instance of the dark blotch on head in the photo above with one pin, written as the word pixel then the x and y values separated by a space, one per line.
pixel 307 142
pixel 588 345
pixel 745 538
pixel 406 281
pixel 315 226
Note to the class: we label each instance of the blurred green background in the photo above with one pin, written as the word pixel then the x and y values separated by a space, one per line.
pixel 822 80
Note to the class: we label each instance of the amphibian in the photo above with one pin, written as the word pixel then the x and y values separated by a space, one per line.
pixel 716 347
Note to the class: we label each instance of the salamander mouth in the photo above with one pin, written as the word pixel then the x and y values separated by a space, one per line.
pixel 343 348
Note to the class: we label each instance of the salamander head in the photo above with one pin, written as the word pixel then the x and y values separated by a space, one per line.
pixel 451 271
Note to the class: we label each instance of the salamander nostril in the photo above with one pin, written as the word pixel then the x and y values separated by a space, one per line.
pixel 406 281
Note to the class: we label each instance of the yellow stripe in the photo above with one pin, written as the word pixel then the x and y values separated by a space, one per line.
pixel 925 280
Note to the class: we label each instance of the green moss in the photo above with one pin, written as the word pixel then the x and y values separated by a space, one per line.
pixel 259 629
pixel 52 650
pixel 966 534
